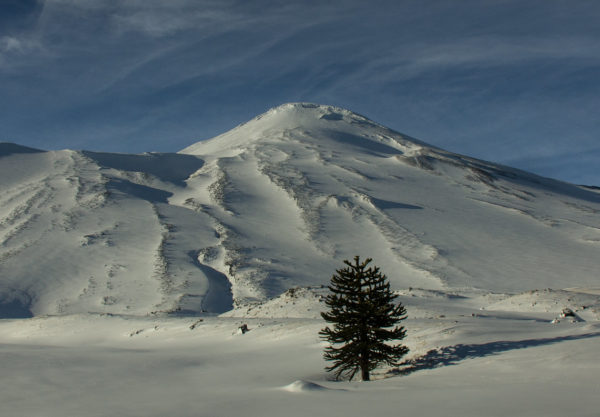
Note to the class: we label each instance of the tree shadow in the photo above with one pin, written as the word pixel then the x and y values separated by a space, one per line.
pixel 451 355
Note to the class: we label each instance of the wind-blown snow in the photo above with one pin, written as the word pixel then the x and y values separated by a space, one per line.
pixel 273 204
pixel 303 386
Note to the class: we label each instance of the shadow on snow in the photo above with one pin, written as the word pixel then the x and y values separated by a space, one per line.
pixel 451 355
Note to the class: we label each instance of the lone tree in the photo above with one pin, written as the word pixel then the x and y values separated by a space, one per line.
pixel 362 312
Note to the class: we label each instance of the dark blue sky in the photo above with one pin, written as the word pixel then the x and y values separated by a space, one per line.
pixel 511 81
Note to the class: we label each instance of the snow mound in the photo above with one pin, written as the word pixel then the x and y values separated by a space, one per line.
pixel 550 301
pixel 303 386
pixel 296 302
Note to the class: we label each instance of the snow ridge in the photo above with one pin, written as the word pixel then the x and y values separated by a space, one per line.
pixel 274 204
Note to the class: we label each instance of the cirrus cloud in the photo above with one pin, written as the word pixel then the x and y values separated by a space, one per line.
pixel 498 80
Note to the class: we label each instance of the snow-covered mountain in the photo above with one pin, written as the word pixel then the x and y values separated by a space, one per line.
pixel 275 203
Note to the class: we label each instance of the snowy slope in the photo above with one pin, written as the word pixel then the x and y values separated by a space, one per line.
pixel 344 185
pixel 87 232
pixel 274 204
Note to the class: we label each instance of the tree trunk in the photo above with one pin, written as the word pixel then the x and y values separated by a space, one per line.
pixel 364 365
pixel 365 372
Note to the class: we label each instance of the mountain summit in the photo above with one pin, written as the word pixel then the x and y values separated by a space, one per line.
pixel 316 121
pixel 273 204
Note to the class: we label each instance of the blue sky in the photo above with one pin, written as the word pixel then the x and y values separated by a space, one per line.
pixel 515 82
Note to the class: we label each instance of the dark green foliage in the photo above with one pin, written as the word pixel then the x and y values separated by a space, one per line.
pixel 364 317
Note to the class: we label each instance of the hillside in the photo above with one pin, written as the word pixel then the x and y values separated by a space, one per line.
pixel 274 204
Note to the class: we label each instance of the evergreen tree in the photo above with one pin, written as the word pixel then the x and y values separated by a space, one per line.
pixel 364 317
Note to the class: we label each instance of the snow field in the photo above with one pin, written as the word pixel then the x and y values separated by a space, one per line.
pixel 462 363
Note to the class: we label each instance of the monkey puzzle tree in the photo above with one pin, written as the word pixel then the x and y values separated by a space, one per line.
pixel 364 317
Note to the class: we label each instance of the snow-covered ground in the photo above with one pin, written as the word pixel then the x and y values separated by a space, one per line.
pixel 464 361
pixel 124 278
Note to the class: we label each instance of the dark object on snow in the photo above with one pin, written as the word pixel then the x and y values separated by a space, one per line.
pixel 196 323
pixel 567 312
pixel 243 329
pixel 361 310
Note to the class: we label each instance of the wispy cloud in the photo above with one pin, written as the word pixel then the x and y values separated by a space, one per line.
pixel 9 44
pixel 13 49
pixel 158 19
pixel 452 73
pixel 500 51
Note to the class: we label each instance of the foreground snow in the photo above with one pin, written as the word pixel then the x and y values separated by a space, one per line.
pixel 466 361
